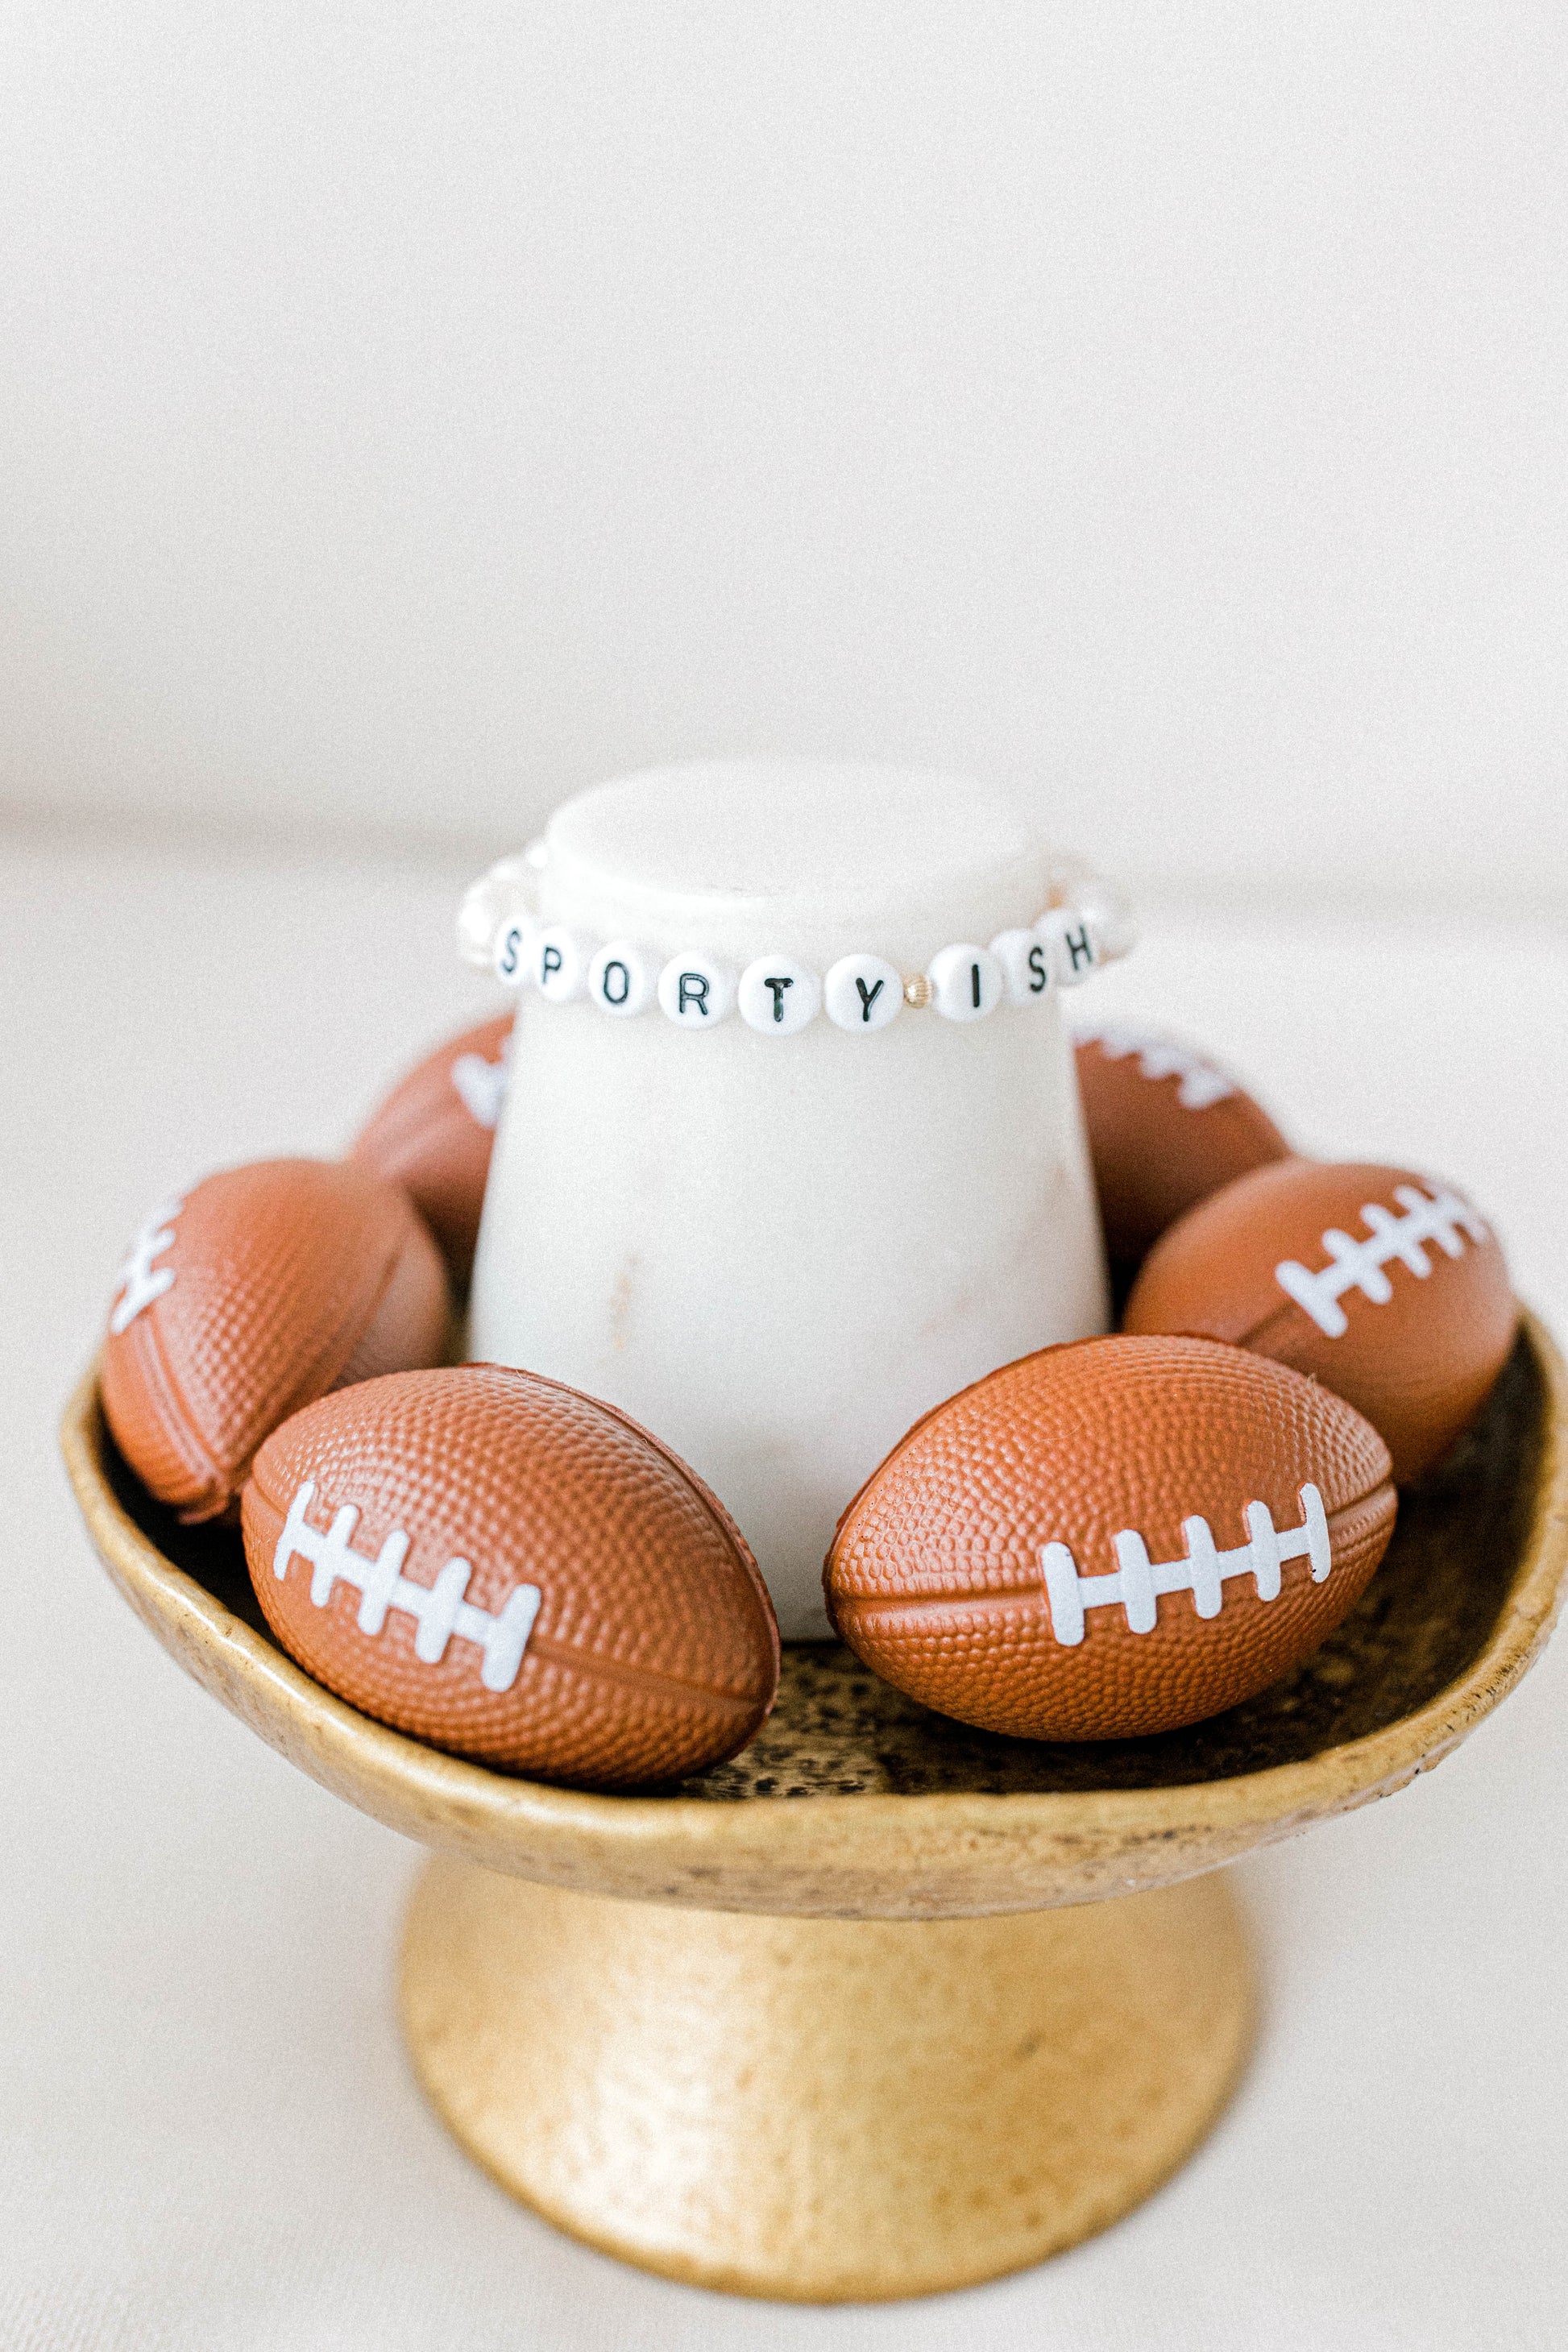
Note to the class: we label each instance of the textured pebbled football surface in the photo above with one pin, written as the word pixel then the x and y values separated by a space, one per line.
pixel 1165 1129
pixel 936 1576
pixel 1416 1351
pixel 434 1133
pixel 260 1290
pixel 653 1651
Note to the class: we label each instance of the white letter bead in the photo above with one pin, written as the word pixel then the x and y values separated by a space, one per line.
pixel 1071 949
pixel 1022 957
pixel 478 918
pixel 560 963
pixel 966 984
pixel 1112 929
pixel 513 960
pixel 779 994
pixel 621 980
pixel 863 993
pixel 696 991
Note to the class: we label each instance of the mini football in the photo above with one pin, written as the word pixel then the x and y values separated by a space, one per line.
pixel 1387 1286
pixel 510 1570
pixel 1111 1539
pixel 1165 1129
pixel 261 1289
pixel 433 1136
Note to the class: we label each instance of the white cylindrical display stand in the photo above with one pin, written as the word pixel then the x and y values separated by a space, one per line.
pixel 778 1245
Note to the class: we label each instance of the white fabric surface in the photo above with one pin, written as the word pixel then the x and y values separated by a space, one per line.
pixel 211 2139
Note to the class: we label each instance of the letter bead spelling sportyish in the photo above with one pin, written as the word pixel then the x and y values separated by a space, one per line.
pixel 1022 956
pixel 1387 1286
pixel 863 993
pixel 779 995
pixel 696 991
pixel 967 983
pixel 623 980
pixel 1112 1538
pixel 561 958
pixel 499 1564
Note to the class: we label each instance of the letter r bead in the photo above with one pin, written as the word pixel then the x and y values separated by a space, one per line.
pixel 696 992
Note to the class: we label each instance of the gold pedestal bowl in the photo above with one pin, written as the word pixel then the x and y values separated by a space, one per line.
pixel 885 2005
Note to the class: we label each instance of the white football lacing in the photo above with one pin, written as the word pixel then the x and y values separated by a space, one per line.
pixel 1441 1217
pixel 141 1283
pixel 1137 1584
pixel 439 1608
pixel 481 1085
pixel 1162 1058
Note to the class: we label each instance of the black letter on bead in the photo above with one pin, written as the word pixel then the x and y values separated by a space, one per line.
pixel 778 987
pixel 1077 947
pixel 605 989
pixel 1039 976
pixel 974 986
pixel 693 990
pixel 868 997
pixel 509 952
pixel 549 964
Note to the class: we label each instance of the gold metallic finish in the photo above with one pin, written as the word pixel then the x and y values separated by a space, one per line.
pixel 823 2109
pixel 917 991
pixel 837 1959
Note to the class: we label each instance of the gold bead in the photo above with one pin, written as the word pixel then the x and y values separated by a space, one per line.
pixel 917 993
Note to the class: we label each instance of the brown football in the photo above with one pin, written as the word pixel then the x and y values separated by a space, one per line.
pixel 505 1567
pixel 1112 1537
pixel 433 1135
pixel 261 1289
pixel 1387 1286
pixel 1165 1129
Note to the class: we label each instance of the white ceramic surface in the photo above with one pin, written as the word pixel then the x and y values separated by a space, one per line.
pixel 777 1253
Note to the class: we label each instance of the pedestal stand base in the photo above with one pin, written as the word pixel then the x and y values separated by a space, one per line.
pixel 824 2109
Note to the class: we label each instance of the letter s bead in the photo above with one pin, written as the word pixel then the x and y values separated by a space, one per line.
pixel 1022 957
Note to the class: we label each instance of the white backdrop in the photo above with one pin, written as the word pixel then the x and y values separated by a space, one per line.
pixel 410 412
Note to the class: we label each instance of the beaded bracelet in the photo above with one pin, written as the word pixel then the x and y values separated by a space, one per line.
pixel 778 995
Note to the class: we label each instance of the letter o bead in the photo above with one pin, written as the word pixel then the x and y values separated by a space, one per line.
pixel 621 980
pixel 560 963
pixel 779 994
pixel 966 984
pixel 1022 956
pixel 696 991
pixel 863 993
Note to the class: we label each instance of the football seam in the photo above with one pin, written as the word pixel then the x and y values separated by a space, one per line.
pixel 652 1678
pixel 213 1487
pixel 1035 1590
pixel 554 1651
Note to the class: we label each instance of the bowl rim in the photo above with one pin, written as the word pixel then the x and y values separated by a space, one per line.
pixel 928 1854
